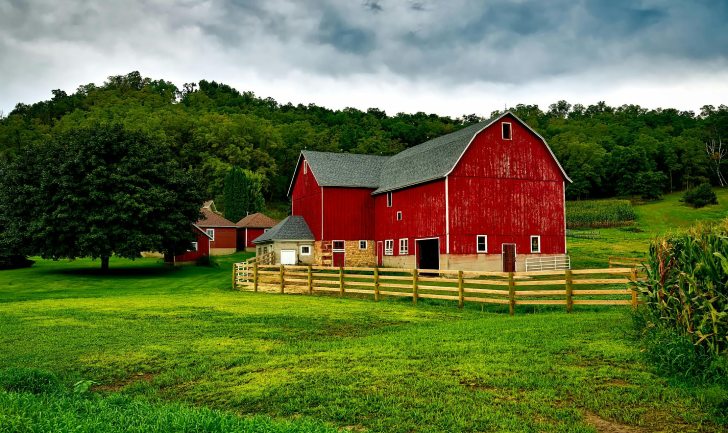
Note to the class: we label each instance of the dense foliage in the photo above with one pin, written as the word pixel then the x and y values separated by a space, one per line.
pixel 98 191
pixel 701 196
pixel 211 127
pixel 599 213
pixel 686 302
pixel 243 193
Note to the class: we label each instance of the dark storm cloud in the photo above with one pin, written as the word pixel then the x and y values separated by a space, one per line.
pixel 446 41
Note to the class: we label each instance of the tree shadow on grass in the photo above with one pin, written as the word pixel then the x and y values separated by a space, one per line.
pixel 120 272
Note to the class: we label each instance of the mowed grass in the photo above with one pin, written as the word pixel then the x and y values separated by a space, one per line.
pixel 162 337
pixel 653 218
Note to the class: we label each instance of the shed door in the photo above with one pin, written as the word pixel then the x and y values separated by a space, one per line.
pixel 509 257
pixel 288 257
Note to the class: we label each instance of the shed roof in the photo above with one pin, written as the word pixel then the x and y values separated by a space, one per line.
pixel 257 220
pixel 211 219
pixel 293 227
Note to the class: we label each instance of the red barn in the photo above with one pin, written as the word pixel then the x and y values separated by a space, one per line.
pixel 200 248
pixel 223 233
pixel 485 197
pixel 250 228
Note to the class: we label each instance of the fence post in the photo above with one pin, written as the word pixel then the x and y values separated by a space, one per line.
pixel 310 281
pixel 461 294
pixel 511 294
pixel 633 277
pixel 568 291
pixel 282 279
pixel 341 281
pixel 414 286
pixel 255 277
pixel 234 266
pixel 376 283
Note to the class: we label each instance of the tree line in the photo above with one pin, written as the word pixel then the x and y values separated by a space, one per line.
pixel 210 127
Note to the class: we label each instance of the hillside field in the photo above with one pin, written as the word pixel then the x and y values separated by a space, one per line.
pixel 175 349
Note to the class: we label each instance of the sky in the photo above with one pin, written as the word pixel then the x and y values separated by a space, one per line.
pixel 449 57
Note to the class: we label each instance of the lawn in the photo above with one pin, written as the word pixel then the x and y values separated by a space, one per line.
pixel 175 349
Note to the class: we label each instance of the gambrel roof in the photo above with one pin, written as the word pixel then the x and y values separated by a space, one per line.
pixel 292 228
pixel 433 159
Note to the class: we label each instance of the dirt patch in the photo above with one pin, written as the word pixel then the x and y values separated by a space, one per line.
pixel 605 426
pixel 617 382
pixel 118 386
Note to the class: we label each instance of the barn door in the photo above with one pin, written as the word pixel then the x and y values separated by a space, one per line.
pixel 338 258
pixel 509 257
pixel 380 253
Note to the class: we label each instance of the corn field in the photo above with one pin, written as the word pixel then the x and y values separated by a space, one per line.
pixel 687 286
pixel 599 213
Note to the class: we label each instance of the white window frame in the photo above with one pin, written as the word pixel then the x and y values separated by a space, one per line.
pixel 403 247
pixel 399 216
pixel 365 243
pixel 343 244
pixel 389 199
pixel 305 167
pixel 211 234
pixel 510 129
pixel 539 244
pixel 389 247
pixel 477 243
pixel 265 230
pixel 194 248
pixel 309 250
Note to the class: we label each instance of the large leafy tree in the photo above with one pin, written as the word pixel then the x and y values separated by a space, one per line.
pixel 243 193
pixel 99 191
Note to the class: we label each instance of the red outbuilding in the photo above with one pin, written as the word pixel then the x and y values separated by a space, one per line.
pixel 223 233
pixel 250 228
pixel 489 196
pixel 200 248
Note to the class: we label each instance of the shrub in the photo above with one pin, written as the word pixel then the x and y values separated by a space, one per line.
pixel 686 302
pixel 701 196
pixel 30 380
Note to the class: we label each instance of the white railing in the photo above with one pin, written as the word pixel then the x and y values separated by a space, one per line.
pixel 559 262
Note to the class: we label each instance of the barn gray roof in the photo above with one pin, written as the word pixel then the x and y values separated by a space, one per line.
pixel 293 227
pixel 345 169
pixel 433 159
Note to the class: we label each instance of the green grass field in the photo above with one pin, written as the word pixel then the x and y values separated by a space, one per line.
pixel 175 349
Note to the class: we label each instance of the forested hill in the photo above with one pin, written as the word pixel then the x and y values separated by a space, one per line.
pixel 606 150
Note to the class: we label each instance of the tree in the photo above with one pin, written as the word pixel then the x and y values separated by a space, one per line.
pixel 98 191
pixel 651 184
pixel 243 193
pixel 716 153
pixel 10 244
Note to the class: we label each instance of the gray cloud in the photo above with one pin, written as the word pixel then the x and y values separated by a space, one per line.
pixel 441 42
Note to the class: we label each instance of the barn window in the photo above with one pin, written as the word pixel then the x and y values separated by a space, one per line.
pixel 194 248
pixel 362 245
pixel 535 244
pixel 507 131
pixel 389 199
pixel 211 234
pixel 338 245
pixel 389 247
pixel 482 243
pixel 399 216
pixel 305 167
pixel 403 247
pixel 305 250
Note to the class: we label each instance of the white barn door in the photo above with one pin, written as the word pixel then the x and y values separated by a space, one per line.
pixel 288 257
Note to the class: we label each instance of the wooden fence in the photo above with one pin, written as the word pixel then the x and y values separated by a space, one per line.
pixel 568 288
pixel 621 262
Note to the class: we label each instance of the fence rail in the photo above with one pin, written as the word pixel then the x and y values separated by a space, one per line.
pixel 560 262
pixel 621 262
pixel 613 286
pixel 583 234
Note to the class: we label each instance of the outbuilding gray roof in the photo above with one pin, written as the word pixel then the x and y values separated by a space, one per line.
pixel 433 159
pixel 293 227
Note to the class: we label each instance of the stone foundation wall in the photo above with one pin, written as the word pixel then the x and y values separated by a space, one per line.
pixel 355 257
